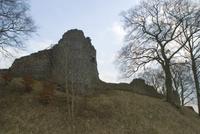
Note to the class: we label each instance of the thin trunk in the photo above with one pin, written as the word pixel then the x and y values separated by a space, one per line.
pixel 72 106
pixel 68 100
pixel 196 81
pixel 182 93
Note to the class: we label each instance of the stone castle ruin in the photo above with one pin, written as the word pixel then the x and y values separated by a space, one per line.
pixel 71 61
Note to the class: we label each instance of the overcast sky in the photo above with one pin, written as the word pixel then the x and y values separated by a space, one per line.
pixel 99 19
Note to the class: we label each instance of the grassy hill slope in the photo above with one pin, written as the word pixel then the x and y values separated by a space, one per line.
pixel 105 112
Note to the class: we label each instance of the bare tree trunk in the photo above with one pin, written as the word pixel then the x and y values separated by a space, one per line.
pixel 168 83
pixel 68 98
pixel 182 93
pixel 196 81
pixel 72 107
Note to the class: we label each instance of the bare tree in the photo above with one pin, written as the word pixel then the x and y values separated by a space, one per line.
pixel 73 85
pixel 193 56
pixel 15 24
pixel 183 82
pixel 191 51
pixel 153 28
pixel 154 77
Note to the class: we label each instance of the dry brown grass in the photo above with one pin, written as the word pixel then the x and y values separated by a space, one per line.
pixel 47 93
pixel 28 81
pixel 7 78
pixel 108 112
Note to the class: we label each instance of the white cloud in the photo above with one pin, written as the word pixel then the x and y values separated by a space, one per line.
pixel 118 31
pixel 108 77
pixel 106 54
pixel 34 46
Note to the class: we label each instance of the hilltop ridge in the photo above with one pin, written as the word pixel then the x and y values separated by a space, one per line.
pixel 106 111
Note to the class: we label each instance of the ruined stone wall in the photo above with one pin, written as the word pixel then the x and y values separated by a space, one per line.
pixel 74 61
pixel 71 61
pixel 36 65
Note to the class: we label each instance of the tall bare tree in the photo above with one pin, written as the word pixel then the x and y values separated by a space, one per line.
pixel 191 50
pixel 183 82
pixel 15 24
pixel 153 28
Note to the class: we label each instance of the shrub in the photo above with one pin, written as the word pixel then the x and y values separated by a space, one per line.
pixel 47 93
pixel 7 77
pixel 28 81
